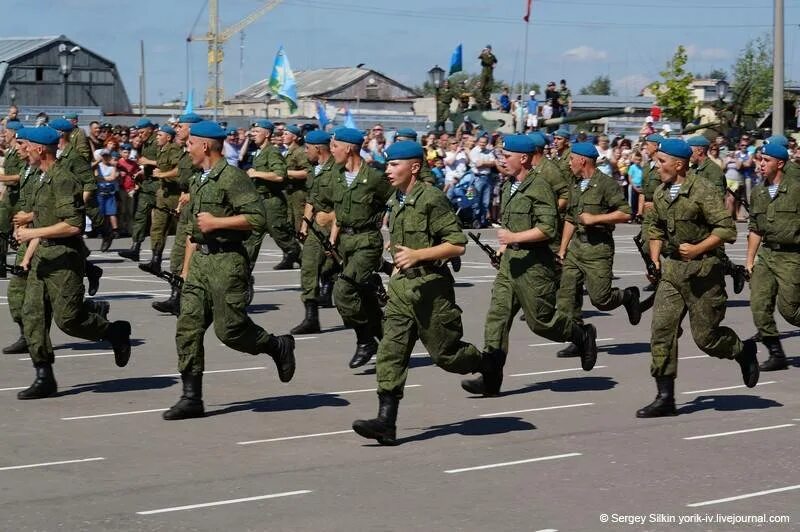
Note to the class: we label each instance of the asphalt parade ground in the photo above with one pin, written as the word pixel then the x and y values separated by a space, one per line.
pixel 560 449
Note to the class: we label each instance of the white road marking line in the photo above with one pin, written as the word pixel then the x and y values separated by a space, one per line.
pixel 77 355
pixel 46 464
pixel 725 388
pixel 223 503
pixel 365 390
pixel 541 409
pixel 548 530
pixel 421 354
pixel 13 389
pixel 296 338
pixel 215 371
pixel 113 414
pixel 551 371
pixel 744 496
pixel 757 429
pixel 693 356
pixel 300 437
pixel 516 462
pixel 564 343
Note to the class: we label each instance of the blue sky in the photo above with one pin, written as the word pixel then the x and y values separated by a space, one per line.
pixel 629 40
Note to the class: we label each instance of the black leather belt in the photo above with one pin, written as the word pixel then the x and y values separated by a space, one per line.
pixel 347 230
pixel 425 269
pixel 594 237
pixel 781 247
pixel 677 256
pixel 47 242
pixel 216 247
pixel 526 246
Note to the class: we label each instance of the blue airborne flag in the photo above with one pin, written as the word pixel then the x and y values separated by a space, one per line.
pixel 189 103
pixel 322 116
pixel 282 80
pixel 456 60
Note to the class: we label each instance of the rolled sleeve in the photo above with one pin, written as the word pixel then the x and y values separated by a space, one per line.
pixel 444 224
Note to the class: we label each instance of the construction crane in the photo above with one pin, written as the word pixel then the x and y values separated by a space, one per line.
pixel 216 39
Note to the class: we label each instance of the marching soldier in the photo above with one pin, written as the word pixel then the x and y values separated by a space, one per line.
pixel 146 188
pixel 359 201
pixel 316 268
pixel 225 207
pixel 775 239
pixel 587 245
pixel 424 234
pixel 650 181
pixel 563 151
pixel 406 133
pixel 13 165
pixel 269 176
pixel 78 140
pixel 688 225
pixel 298 175
pixel 55 263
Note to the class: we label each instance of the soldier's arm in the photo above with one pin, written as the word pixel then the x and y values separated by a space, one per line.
pixel 713 208
pixel 248 206
pixel 302 173
pixel 9 178
pixel 753 243
pixel 545 213
pixel 620 209
pixel 29 251
pixel 566 236
pixel 276 169
pixel 444 227
pixel 190 248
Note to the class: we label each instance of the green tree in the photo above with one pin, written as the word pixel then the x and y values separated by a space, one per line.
pixel 599 85
pixel 674 92
pixel 456 80
pixel 718 73
pixel 752 77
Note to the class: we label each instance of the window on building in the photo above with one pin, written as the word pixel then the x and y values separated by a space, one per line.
pixel 39 74
pixel 372 89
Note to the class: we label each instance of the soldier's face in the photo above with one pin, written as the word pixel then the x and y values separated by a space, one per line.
pixel 288 138
pixel 22 149
pixel 196 146
pixel 182 132
pixel 401 172
pixel 668 167
pixel 769 166
pixel 560 143
pixel 697 154
pixel 576 163
pixel 511 162
pixel 162 138
pixel 312 152
pixel 259 135
pixel 34 152
pixel 651 148
pixel 340 151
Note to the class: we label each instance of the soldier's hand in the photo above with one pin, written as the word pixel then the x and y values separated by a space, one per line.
pixel 404 257
pixel 183 200
pixel 156 173
pixel 749 269
pixel 586 219
pixel 24 234
pixel 206 222
pixel 22 218
pixel 25 264
pixel 505 237
pixel 652 279
pixel 687 251
pixel 560 256
pixel 251 172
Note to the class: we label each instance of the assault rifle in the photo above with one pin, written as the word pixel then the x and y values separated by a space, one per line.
pixel 175 281
pixel 171 212
pixel 653 272
pixel 494 258
pixel 13 243
pixel 15 270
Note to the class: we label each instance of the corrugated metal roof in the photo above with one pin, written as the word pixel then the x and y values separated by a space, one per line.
pixel 309 82
pixel 13 47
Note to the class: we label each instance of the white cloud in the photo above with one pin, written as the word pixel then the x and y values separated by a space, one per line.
pixel 585 53
pixel 698 53
pixel 632 84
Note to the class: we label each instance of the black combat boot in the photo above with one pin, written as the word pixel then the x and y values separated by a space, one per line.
pixel 310 323
pixel 585 338
pixel 776 360
pixel 281 349
pixel 98 306
pixel 108 238
pixel 154 266
pixel 287 263
pixel 325 298
pixel 19 347
pixel 4 254
pixel 43 386
pixel 366 346
pixel 172 305
pixel 739 275
pixel 93 275
pixel 664 403
pixel 630 299
pixel 649 288
pixel 570 351
pixel 119 334
pixel 491 375
pixel 384 427
pixel 251 290
pixel 133 253
pixel 191 402
pixel 749 363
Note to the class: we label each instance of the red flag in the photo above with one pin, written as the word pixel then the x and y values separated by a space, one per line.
pixel 527 16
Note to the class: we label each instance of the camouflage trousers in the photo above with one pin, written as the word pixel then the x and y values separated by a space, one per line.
pixel 315 266
pixel 162 222
pixel 55 291
pixel 423 308
pixel 775 279
pixel 216 292
pixel 698 288
pixel 278 227
pixel 16 289
pixel 362 256
pixel 296 203
pixel 142 216
pixel 178 252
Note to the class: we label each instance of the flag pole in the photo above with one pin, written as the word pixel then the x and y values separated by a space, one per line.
pixel 525 59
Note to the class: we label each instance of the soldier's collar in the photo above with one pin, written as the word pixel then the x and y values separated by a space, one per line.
pixel 217 169
pixel 415 192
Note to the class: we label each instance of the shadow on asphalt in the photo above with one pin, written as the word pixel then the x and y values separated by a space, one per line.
pixel 594 313
pixel 738 303
pixel 415 362
pixel 135 384
pixel 727 403
pixel 282 404
pixel 261 308
pixel 104 260
pixel 461 284
pixel 634 348
pixel 575 384
pixel 472 427
pixel 88 346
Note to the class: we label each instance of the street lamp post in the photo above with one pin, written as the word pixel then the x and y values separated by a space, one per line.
pixel 722 89
pixel 267 98
pixel 66 58
pixel 436 77
pixel 12 94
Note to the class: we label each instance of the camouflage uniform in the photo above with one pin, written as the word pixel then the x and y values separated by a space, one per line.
pixel 80 143
pixel 146 195
pixel 13 165
pixel 186 172
pixel 168 193
pixel 295 189
pixel 315 264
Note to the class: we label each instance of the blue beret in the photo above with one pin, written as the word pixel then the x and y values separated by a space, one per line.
pixel 349 135
pixel 190 118
pixel 62 124
pixel 654 138
pixel 294 130
pixel 126 146
pixel 405 149
pixel 676 148
pixel 14 124
pixel 406 132
pixel 519 144
pixel 587 149
pixel 45 135
pixel 207 129
pixel 167 129
pixel 317 137
pixel 263 123
pixel 562 132
pixel 539 140
pixel 231 131
pixel 778 139
pixel 698 140
pixel 71 116
pixel 115 154
pixel 143 122
pixel 775 150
